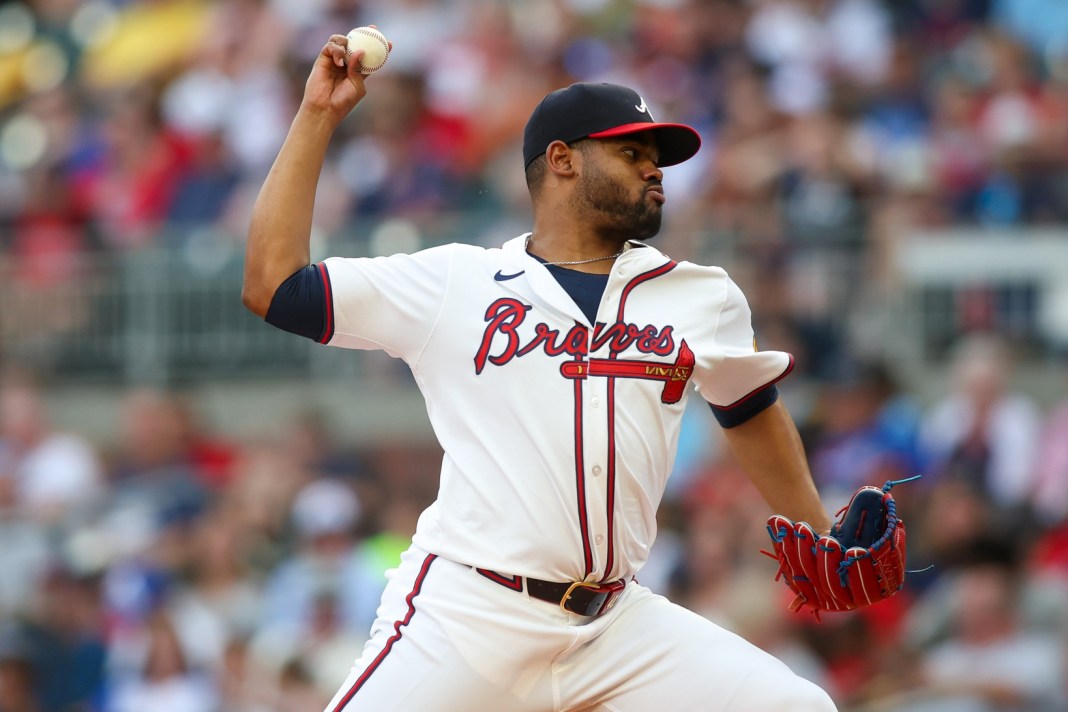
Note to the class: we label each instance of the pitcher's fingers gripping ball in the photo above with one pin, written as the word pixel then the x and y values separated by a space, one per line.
pixel 860 562
pixel 375 48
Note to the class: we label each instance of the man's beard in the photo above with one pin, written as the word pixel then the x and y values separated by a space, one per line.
pixel 610 204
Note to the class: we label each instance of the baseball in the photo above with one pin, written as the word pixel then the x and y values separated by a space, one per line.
pixel 374 45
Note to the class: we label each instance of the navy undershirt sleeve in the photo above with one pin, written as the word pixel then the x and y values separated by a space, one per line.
pixel 755 404
pixel 299 304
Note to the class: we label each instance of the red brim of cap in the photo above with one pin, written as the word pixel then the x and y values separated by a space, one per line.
pixel 677 142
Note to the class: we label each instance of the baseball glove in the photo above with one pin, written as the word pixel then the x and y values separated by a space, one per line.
pixel 860 562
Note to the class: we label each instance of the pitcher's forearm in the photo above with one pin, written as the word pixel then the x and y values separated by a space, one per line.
pixel 280 228
pixel 769 449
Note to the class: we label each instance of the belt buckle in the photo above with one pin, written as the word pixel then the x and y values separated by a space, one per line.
pixel 571 590
pixel 604 600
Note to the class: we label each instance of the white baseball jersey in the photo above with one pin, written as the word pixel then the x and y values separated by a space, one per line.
pixel 559 434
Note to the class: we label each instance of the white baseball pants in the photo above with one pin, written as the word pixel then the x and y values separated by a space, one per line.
pixel 450 640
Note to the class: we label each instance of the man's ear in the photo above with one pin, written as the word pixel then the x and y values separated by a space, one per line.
pixel 560 159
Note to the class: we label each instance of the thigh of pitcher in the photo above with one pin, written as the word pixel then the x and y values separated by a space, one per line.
pixel 448 640
pixel 657 655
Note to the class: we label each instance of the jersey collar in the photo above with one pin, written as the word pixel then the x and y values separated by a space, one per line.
pixel 637 258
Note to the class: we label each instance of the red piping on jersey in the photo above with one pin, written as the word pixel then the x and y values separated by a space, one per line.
pixel 394 638
pixel 644 277
pixel 580 480
pixel 743 399
pixel 611 483
pixel 514 582
pixel 328 317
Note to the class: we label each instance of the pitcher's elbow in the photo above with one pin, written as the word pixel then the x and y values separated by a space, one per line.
pixel 255 300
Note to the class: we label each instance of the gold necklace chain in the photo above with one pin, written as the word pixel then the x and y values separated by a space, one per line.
pixel 526 246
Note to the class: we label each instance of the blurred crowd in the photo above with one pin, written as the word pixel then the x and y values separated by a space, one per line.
pixel 183 571
pixel 178 569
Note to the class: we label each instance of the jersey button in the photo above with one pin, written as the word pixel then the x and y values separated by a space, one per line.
pixel 596 470
pixel 599 539
pixel 595 401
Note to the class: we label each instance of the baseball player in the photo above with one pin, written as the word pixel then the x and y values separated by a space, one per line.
pixel 555 369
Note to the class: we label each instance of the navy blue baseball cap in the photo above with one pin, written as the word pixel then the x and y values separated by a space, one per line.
pixel 588 110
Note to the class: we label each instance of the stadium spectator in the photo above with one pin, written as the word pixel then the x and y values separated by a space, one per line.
pixel 328 584
pixel 152 470
pixel 166 681
pixel 867 431
pixel 53 474
pixel 991 659
pixel 983 432
pixel 1050 493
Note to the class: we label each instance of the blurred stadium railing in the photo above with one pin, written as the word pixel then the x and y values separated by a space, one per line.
pixel 149 316
pixel 1010 281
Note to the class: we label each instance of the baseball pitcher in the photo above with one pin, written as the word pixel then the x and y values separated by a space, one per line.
pixel 555 369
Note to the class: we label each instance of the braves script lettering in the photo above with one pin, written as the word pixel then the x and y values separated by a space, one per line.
pixel 505 316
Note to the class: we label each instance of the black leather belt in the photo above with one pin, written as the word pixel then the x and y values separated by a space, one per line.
pixel 585 599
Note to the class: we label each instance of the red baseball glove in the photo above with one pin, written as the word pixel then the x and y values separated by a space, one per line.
pixel 860 562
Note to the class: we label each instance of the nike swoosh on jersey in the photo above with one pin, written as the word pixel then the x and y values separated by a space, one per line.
pixel 500 277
